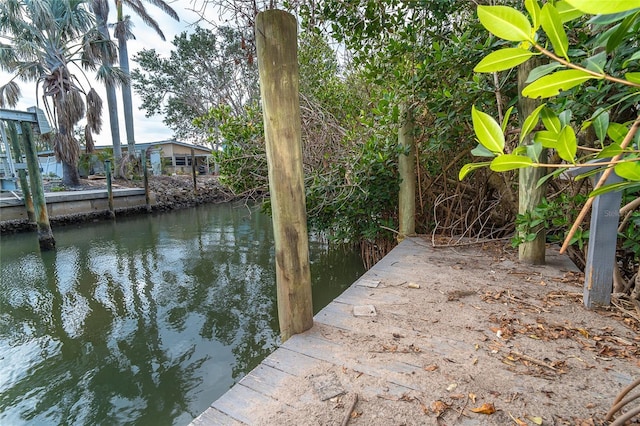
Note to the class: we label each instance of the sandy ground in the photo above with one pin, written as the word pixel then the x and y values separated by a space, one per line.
pixel 461 336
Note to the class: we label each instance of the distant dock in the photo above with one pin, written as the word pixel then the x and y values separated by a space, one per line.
pixel 460 335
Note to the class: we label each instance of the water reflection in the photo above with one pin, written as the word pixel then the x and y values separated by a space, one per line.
pixel 143 321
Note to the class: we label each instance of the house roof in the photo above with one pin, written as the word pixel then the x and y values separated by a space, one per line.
pixel 147 145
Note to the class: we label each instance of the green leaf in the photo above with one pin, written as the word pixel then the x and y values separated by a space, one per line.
pixel 551 120
pixel 567 12
pixel 546 138
pixel 530 122
pixel 614 187
pixel 628 171
pixel 542 70
pixel 617 132
pixel 551 85
pixel 507 162
pixel 554 174
pixel 503 59
pixel 565 117
pixel 597 62
pixel 610 151
pixel 633 77
pixel 601 124
pixel 534 11
pixel 567 144
pixel 505 22
pixel 505 119
pixel 621 33
pixel 481 151
pixel 467 168
pixel 633 57
pixel 534 150
pixel 487 131
pixel 552 25
pixel 604 7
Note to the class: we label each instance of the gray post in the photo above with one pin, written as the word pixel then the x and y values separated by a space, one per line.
pixel 603 236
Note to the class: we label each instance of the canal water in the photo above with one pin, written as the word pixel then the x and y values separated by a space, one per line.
pixel 146 320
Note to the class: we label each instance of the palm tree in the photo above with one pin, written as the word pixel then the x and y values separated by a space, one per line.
pixel 123 33
pixel 101 11
pixel 49 40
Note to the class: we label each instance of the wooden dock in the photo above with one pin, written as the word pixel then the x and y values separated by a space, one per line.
pixel 461 335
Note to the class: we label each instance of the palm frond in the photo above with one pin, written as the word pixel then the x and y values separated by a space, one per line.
pixel 113 75
pixel 9 94
pixel 94 111
pixel 88 139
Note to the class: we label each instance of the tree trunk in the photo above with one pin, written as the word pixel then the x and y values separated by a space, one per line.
pixel 407 171
pixel 126 98
pixel 276 37
pixel 70 175
pixel 112 101
pixel 530 196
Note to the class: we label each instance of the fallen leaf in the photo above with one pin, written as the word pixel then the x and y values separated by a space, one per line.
pixel 536 420
pixel 486 408
pixel 451 387
pixel 472 397
pixel 438 407
pixel 431 367
pixel 457 396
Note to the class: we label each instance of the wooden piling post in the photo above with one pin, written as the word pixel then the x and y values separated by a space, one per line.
pixel 407 171
pixel 45 235
pixel 529 194
pixel 276 42
pixel 193 172
pixel 145 177
pixel 107 170
pixel 22 174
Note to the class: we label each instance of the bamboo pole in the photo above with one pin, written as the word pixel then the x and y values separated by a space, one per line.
pixel 529 195
pixel 22 174
pixel 407 171
pixel 276 42
pixel 45 235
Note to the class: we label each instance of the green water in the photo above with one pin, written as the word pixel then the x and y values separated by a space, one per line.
pixel 143 321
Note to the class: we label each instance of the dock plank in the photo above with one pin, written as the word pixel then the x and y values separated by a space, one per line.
pixel 239 402
pixel 213 417
pixel 265 379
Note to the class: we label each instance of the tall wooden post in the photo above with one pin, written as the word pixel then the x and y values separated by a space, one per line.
pixel 276 42
pixel 530 196
pixel 45 235
pixel 107 171
pixel 407 171
pixel 145 177
pixel 193 172
pixel 22 174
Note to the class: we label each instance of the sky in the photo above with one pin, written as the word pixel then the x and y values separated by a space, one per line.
pixel 149 129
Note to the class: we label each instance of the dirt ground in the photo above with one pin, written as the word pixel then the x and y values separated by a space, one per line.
pixel 460 336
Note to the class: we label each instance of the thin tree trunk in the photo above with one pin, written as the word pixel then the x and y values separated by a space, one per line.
pixel 530 195
pixel 112 101
pixel 276 33
pixel 126 98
